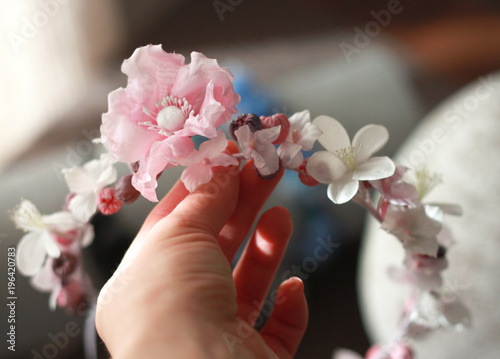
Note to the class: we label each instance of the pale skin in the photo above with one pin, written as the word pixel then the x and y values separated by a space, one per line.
pixel 174 294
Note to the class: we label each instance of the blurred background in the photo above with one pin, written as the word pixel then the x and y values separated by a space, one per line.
pixel 387 62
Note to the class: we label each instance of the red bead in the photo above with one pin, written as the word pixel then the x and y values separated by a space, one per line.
pixel 108 203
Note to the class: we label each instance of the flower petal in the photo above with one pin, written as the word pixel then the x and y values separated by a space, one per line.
pixel 87 235
pixel 267 135
pixel 83 206
pixel 27 217
pixel 243 135
pixel 31 253
pixel 290 154
pixel 369 139
pixel 45 280
pixel 196 175
pixel 50 245
pixel 346 354
pixel 342 190
pixel 79 180
pixel 307 132
pixel 62 221
pixel 215 146
pixel 334 136
pixel 373 169
pixel 325 167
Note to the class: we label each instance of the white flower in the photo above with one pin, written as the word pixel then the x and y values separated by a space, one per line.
pixel 344 164
pixel 38 242
pixel 301 136
pixel 86 182
pixel 259 146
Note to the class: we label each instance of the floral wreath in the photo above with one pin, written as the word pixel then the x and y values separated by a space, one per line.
pixel 151 126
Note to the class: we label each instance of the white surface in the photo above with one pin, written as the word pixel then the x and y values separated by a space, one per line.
pixel 467 156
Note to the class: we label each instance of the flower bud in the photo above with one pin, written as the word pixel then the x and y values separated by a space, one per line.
pixel 304 176
pixel 277 119
pixel 107 202
pixel 124 191
pixel 65 264
pixel 253 122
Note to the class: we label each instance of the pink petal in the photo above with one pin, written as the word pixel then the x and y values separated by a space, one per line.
pixel 369 139
pixel 243 135
pixel 120 131
pixel 215 146
pixel 266 159
pixel 152 73
pixel 325 167
pixel 373 169
pixel 342 190
pixel 290 155
pixel 334 136
pixel 196 175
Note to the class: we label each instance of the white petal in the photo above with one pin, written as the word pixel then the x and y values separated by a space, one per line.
pixel 452 209
pixel 107 177
pixel 79 180
pixel 342 191
pixel 45 279
pixel 308 132
pixel 369 140
pixel 62 221
pixel 373 169
pixel 53 296
pixel 290 154
pixel 50 245
pixel 266 159
pixel 87 235
pixel 325 167
pixel 83 206
pixel 334 136
pixel 31 253
pixel 267 135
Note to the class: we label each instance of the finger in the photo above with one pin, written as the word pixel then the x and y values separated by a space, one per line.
pixel 288 321
pixel 253 194
pixel 206 210
pixel 163 209
pixel 172 199
pixel 260 261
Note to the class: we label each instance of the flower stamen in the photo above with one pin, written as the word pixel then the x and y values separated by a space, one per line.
pixel 348 155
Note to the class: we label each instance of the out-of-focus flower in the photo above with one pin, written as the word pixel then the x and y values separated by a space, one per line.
pixel 39 241
pixel 395 191
pixel 199 163
pixel 86 182
pixel 47 281
pixel 259 146
pixel 301 137
pixel 164 103
pixel 416 227
pixel 344 164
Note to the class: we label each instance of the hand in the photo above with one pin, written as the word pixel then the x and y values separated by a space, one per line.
pixel 174 296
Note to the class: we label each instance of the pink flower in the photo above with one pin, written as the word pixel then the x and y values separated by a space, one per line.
pixel 165 102
pixel 396 191
pixel 259 146
pixel 200 163
pixel 301 137
pixel 416 227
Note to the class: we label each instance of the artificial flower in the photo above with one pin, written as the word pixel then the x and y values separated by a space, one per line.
pixel 343 164
pixel 199 163
pixel 259 146
pixel 278 119
pixel 393 190
pixel 416 227
pixel 47 281
pixel 86 182
pixel 301 137
pixel 39 241
pixel 165 102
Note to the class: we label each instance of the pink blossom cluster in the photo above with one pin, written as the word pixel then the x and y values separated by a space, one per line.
pixel 151 126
